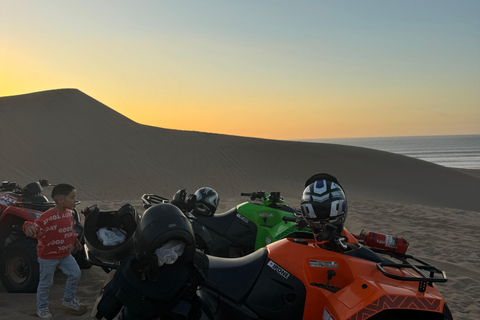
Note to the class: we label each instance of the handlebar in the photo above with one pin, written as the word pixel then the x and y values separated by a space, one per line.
pixel 330 233
pixel 299 221
pixel 10 186
pixel 15 187
pixel 44 182
pixel 289 219
pixel 270 199
pixel 253 195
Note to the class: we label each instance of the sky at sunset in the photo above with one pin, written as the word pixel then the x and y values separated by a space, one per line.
pixel 270 69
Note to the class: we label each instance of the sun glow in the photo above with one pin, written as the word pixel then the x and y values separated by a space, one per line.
pixel 162 65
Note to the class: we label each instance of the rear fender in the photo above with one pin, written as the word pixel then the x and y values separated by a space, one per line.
pixel 11 223
pixel 24 213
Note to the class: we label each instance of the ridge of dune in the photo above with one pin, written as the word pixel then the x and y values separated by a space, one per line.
pixel 63 104
pixel 65 135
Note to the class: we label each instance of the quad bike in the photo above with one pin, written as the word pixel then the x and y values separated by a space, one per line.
pixel 241 230
pixel 19 270
pixel 330 277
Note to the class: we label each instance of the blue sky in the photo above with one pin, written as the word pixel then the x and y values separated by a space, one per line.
pixel 322 69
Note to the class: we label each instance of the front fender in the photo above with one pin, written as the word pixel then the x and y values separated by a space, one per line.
pixel 202 233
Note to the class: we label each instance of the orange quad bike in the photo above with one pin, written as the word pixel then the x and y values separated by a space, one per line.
pixel 333 277
pixel 330 277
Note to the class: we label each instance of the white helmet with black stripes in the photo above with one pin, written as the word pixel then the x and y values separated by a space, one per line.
pixel 324 201
pixel 206 202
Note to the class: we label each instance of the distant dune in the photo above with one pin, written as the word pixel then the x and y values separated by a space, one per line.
pixel 67 136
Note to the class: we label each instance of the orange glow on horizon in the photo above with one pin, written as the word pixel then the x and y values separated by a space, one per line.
pixel 305 78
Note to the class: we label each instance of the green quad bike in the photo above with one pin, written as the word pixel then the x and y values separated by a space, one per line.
pixel 241 230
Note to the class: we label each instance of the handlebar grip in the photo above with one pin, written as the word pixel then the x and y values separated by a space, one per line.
pixel 243 194
pixel 321 237
pixel 325 235
pixel 289 219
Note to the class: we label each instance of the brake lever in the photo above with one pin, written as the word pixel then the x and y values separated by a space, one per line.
pixel 340 243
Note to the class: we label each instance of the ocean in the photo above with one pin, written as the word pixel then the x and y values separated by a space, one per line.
pixel 459 151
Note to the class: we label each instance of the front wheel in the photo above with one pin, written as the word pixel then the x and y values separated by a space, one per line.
pixel 19 269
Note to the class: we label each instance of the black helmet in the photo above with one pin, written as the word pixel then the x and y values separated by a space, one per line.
pixel 206 201
pixel 124 219
pixel 32 189
pixel 324 201
pixel 159 224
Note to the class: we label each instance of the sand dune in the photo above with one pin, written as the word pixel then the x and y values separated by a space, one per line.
pixel 67 136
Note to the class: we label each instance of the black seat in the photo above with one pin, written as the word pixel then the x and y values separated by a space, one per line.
pixel 235 277
pixel 218 222
pixel 37 202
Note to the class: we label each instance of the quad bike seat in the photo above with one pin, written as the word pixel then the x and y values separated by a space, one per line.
pixel 124 219
pixel 235 277
pixel 220 222
pixel 37 202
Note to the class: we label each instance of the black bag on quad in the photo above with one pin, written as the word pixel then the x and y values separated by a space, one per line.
pixel 124 221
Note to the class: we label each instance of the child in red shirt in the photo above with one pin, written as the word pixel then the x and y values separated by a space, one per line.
pixel 56 239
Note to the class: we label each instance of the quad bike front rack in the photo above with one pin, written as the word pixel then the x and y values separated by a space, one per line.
pixel 152 199
pixel 419 269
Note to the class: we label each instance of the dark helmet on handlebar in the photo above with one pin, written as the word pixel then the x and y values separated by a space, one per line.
pixel 206 201
pixel 324 201
pixel 182 201
pixel 159 224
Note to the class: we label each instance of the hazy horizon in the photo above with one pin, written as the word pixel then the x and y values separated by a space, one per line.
pixel 373 137
pixel 289 139
pixel 274 70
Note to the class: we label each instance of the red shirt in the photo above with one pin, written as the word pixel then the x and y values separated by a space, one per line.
pixel 55 234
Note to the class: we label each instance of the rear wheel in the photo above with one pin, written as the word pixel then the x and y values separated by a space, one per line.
pixel 19 270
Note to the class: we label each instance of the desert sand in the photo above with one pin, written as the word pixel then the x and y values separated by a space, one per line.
pixel 67 136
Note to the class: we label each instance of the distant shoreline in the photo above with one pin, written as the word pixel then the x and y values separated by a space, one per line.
pixel 451 151
pixel 389 137
pixel 472 172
